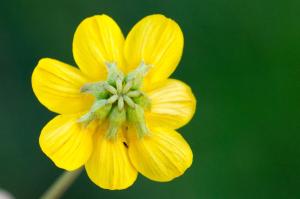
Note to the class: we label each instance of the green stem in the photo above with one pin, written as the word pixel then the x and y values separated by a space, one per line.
pixel 61 185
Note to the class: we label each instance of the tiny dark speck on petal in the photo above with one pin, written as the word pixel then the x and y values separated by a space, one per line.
pixel 125 144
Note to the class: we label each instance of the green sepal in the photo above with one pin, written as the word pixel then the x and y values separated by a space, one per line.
pixel 102 113
pixel 96 89
pixel 113 73
pixel 136 117
pixel 137 76
pixel 116 119
pixel 99 110
pixel 143 101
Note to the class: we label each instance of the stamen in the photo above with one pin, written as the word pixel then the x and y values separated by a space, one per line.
pixel 112 99
pixel 119 85
pixel 134 94
pixel 127 87
pixel 129 101
pixel 120 103
pixel 110 89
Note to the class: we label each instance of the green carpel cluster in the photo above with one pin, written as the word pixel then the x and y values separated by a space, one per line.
pixel 118 100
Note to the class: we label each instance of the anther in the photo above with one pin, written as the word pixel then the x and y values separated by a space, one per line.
pixel 110 89
pixel 112 99
pixel 127 87
pixel 134 94
pixel 120 103
pixel 119 85
pixel 129 101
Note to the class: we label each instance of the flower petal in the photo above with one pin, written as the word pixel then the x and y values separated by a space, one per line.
pixel 172 104
pixel 157 41
pixel 97 40
pixel 66 142
pixel 57 86
pixel 109 166
pixel 161 156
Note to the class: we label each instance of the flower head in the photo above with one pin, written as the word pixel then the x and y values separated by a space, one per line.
pixel 118 112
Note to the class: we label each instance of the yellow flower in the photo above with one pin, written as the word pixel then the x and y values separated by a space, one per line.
pixel 118 112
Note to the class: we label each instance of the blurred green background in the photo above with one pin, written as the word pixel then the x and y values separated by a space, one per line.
pixel 242 59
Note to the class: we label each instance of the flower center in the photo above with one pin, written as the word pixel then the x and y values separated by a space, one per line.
pixel 118 100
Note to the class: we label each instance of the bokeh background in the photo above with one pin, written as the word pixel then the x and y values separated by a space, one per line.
pixel 242 59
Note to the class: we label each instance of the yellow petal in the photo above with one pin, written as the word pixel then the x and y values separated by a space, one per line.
pixel 67 143
pixel 161 156
pixel 172 104
pixel 57 86
pixel 97 40
pixel 158 41
pixel 109 166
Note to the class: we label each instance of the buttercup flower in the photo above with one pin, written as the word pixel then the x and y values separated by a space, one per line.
pixel 119 111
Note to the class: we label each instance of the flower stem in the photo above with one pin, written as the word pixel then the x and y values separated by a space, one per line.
pixel 62 183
